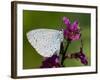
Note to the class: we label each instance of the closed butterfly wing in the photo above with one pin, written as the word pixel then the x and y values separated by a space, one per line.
pixel 45 41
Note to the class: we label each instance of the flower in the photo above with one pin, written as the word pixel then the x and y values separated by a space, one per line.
pixel 72 31
pixel 78 55
pixel 51 62
pixel 82 57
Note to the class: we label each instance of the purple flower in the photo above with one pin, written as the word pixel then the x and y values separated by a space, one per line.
pixel 72 32
pixel 79 55
pixel 51 62
pixel 82 57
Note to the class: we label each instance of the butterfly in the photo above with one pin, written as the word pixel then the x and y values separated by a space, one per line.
pixel 45 41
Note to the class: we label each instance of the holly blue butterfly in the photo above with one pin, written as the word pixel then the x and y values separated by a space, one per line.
pixel 45 41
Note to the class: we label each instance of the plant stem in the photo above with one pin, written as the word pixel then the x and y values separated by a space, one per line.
pixel 63 55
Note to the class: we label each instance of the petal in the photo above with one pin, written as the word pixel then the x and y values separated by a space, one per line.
pixel 66 21
pixel 74 26
pixel 65 32
pixel 77 36
pixel 84 61
pixel 74 37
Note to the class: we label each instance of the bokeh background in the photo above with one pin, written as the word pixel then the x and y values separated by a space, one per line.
pixel 53 20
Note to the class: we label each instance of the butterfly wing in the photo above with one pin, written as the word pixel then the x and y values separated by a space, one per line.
pixel 45 41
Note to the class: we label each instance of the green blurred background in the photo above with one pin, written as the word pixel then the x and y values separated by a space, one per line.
pixel 53 20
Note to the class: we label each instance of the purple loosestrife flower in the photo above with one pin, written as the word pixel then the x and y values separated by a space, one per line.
pixel 79 55
pixel 72 31
pixel 82 57
pixel 51 62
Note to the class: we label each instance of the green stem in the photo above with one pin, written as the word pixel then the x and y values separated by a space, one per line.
pixel 63 55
